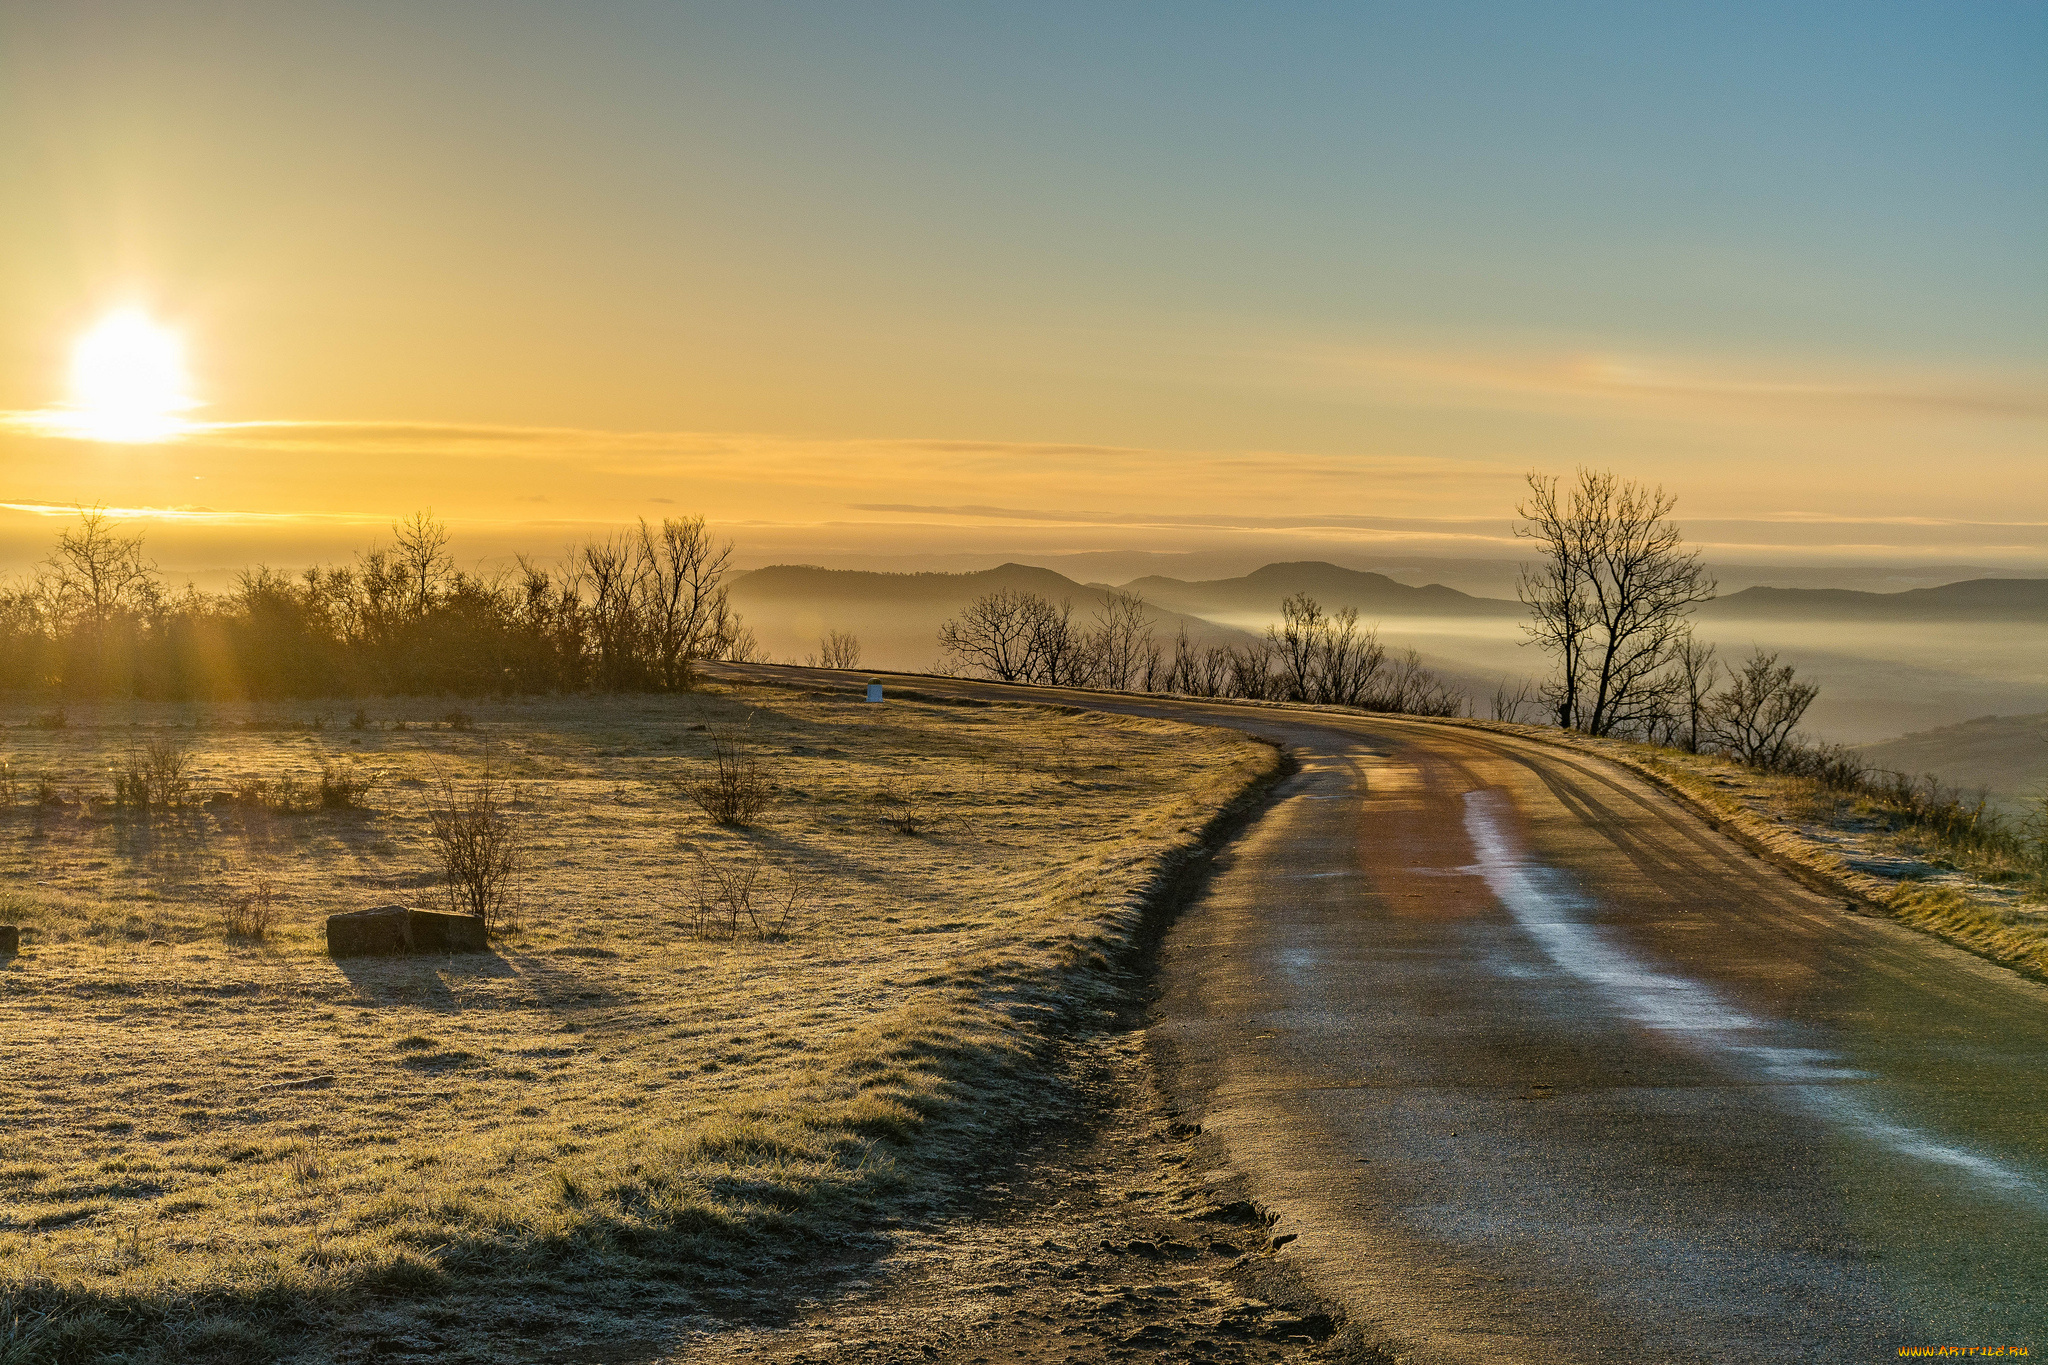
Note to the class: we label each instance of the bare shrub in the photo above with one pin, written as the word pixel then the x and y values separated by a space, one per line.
pixel 154 775
pixel 1753 717
pixel 914 808
pixel 735 890
pixel 10 784
pixel 344 787
pixel 254 914
pixel 2033 829
pixel 285 796
pixel 1508 701
pixel 905 809
pixel 459 719
pixel 481 851
pixel 736 792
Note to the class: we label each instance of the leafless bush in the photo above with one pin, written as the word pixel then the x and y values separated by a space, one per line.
pixel 10 784
pixel 285 796
pixel 154 775
pixel 1508 701
pixel 481 850
pixel 906 809
pixel 1406 687
pixel 913 808
pixel 2033 829
pixel 735 890
pixel 1753 717
pixel 736 792
pixel 253 914
pixel 344 787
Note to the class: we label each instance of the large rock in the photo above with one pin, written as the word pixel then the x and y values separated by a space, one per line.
pixel 10 940
pixel 387 930
pixel 435 932
pixel 377 932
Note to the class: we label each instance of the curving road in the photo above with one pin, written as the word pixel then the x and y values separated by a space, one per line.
pixel 1539 1067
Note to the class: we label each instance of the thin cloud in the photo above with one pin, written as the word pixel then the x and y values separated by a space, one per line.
pixel 1544 381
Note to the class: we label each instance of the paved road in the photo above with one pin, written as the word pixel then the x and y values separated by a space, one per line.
pixel 1541 1068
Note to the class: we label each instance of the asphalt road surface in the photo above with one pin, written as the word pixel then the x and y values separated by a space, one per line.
pixel 1539 1067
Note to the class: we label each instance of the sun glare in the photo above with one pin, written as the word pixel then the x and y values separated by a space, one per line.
pixel 127 381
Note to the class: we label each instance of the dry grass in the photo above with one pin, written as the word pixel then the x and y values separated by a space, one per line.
pixel 213 1148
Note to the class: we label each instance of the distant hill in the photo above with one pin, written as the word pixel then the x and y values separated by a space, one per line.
pixel 897 615
pixel 1978 599
pixel 2006 754
pixel 1334 588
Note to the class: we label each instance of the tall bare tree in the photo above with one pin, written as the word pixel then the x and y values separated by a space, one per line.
pixel 1610 596
pixel 97 573
pixel 1057 648
pixel 1117 645
pixel 996 634
pixel 838 649
pixel 1693 671
pixel 422 563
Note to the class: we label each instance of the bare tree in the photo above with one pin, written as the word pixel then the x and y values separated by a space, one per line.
pixel 1056 647
pixel 658 604
pixel 838 649
pixel 996 635
pixel 422 563
pixel 1755 714
pixel 1610 596
pixel 1250 671
pixel 97 573
pixel 680 595
pixel 1115 648
pixel 1693 671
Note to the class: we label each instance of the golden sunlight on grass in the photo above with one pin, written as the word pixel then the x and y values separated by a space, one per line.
pixel 623 1090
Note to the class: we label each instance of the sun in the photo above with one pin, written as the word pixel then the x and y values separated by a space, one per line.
pixel 127 381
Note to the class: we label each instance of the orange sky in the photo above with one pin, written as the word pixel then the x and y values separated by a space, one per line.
pixel 921 284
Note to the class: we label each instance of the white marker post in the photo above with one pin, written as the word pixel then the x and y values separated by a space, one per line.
pixel 874 689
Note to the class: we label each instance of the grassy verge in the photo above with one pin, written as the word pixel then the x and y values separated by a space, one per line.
pixel 222 1149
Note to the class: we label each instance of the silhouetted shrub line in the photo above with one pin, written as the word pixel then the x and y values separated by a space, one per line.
pixel 632 613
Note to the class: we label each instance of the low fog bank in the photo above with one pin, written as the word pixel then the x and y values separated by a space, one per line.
pixel 2005 756
pixel 1878 681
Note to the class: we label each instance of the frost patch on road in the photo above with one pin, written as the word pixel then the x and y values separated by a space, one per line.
pixel 1545 906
